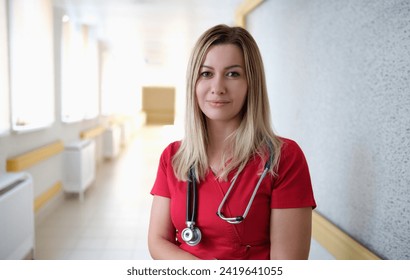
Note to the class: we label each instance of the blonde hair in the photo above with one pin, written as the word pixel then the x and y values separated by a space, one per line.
pixel 254 134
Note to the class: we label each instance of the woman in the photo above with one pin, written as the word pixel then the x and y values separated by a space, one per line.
pixel 221 161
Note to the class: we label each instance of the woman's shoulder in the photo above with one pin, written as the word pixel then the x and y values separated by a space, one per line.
pixel 286 140
pixel 171 149
pixel 290 148
pixel 288 143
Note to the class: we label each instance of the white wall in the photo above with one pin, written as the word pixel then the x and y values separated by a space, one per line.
pixel 338 75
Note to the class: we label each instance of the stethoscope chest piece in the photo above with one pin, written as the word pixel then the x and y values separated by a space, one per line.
pixel 191 235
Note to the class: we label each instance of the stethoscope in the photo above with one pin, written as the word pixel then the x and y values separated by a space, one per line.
pixel 191 234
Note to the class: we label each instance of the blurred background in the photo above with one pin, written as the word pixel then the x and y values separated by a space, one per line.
pixel 92 91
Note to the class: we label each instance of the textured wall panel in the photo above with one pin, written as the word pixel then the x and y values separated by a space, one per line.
pixel 338 75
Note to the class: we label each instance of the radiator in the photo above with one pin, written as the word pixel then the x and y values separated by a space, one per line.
pixel 16 216
pixel 112 142
pixel 79 166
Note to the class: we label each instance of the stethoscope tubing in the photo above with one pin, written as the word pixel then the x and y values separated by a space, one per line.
pixel 192 235
pixel 191 201
pixel 238 219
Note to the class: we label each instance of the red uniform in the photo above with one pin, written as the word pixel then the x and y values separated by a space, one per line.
pixel 250 239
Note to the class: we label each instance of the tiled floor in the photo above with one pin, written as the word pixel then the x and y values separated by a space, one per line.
pixel 112 221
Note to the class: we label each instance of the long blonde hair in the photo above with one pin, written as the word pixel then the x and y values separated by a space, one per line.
pixel 253 135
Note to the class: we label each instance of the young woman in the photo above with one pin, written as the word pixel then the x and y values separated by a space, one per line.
pixel 231 189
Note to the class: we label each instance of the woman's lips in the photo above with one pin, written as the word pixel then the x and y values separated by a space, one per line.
pixel 217 103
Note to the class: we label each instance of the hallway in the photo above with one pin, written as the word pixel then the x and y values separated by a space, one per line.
pixel 112 221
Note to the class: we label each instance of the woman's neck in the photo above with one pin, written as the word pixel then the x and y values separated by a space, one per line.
pixel 218 132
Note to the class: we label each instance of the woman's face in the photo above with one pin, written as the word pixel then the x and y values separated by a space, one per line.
pixel 221 88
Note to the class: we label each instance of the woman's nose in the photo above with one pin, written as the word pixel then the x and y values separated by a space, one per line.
pixel 218 85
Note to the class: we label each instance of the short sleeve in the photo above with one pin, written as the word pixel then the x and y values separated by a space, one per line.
pixel 292 186
pixel 161 184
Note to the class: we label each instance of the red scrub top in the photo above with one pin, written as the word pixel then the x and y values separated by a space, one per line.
pixel 250 239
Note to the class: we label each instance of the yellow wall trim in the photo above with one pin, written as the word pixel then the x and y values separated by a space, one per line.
pixel 244 9
pixel 46 196
pixel 28 159
pixel 338 243
pixel 92 133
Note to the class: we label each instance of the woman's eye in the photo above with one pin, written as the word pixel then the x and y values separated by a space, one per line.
pixel 233 74
pixel 206 74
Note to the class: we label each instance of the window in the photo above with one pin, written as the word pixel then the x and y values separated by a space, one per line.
pixel 31 64
pixel 4 77
pixel 79 73
pixel 108 78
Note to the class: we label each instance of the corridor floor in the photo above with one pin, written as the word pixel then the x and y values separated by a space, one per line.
pixel 112 220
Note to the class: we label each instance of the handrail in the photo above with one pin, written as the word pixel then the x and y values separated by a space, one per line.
pixel 244 9
pixel 47 195
pixel 337 242
pixel 25 160
pixel 92 132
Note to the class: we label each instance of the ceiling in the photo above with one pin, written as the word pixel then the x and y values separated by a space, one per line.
pixel 154 27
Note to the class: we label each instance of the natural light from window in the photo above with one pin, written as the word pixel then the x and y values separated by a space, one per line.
pixel 79 72
pixel 31 64
pixel 4 88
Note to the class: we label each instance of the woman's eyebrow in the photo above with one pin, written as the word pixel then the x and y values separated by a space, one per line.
pixel 226 68
pixel 234 66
